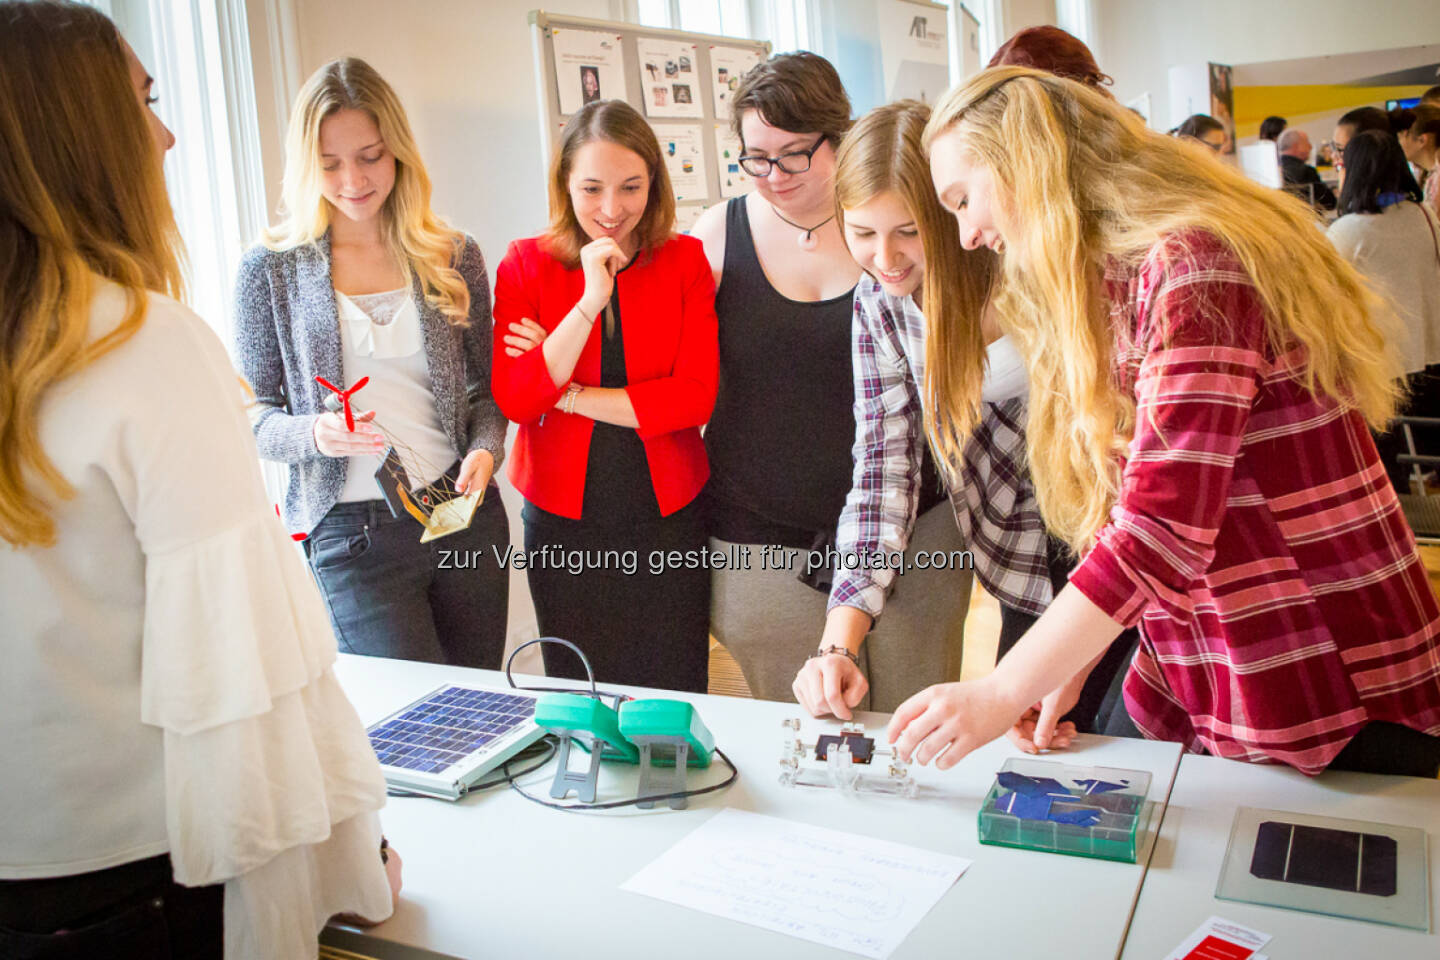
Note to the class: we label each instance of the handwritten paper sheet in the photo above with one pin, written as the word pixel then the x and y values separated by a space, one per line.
pixel 843 890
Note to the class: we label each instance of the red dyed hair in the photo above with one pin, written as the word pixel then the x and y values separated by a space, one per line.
pixel 1054 51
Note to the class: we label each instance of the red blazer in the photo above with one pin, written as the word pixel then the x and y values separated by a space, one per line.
pixel 667 303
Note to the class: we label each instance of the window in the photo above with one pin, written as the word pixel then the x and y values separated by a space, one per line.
pixel 728 18
pixel 198 52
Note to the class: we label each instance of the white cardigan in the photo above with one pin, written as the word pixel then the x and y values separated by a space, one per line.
pixel 167 682
pixel 1396 251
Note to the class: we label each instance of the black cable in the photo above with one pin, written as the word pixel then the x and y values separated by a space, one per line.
pixel 619 698
pixel 613 804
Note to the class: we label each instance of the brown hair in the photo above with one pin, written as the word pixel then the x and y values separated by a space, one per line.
pixel 613 121
pixel 1054 51
pixel 795 92
pixel 84 195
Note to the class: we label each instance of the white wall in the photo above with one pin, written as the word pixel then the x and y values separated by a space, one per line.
pixel 1137 41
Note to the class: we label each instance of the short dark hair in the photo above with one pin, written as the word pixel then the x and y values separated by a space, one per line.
pixel 1364 118
pixel 1272 127
pixel 1197 125
pixel 1374 164
pixel 796 92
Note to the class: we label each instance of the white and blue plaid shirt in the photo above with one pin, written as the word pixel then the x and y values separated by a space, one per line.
pixel 995 505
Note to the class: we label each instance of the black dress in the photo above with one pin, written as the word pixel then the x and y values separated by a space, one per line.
pixel 603 584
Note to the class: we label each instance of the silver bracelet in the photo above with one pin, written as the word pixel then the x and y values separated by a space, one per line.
pixel 836 648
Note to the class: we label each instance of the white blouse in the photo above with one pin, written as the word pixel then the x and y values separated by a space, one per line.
pixel 168 682
pixel 380 338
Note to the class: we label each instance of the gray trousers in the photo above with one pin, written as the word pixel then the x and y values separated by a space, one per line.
pixel 770 622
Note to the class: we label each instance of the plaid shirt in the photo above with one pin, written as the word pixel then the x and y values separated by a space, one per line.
pixel 1256 541
pixel 995 505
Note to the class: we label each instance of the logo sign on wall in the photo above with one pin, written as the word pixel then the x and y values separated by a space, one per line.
pixel 914 50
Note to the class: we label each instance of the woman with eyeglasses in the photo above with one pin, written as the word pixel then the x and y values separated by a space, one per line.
pixel 781 436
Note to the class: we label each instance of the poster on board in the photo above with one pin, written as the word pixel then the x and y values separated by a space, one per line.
pixel 914 50
pixel 670 78
pixel 727 66
pixel 685 216
pixel 734 182
pixel 589 66
pixel 682 146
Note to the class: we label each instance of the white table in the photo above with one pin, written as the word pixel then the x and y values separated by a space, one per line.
pixel 1179 890
pixel 497 876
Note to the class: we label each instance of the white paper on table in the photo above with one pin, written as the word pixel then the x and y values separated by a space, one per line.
pixel 734 182
pixel 682 145
pixel 727 66
pixel 1218 937
pixel 589 65
pixel 670 76
pixel 843 890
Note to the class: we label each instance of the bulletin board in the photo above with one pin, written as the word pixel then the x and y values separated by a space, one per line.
pixel 680 82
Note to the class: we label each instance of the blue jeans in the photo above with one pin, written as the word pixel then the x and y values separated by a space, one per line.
pixel 390 595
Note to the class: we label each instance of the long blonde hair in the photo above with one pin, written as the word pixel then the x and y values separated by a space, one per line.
pixel 883 151
pixel 1081 181
pixel 418 239
pixel 84 194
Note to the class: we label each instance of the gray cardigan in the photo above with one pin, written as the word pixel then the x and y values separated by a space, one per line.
pixel 287 332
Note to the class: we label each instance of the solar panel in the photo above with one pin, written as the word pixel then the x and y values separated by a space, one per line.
pixel 445 741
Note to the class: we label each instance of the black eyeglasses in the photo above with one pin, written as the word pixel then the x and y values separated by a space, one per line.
pixel 797 162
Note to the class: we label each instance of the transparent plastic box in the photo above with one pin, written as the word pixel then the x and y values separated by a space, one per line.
pixel 1116 819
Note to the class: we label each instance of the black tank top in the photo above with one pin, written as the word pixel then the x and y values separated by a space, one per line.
pixel 780 437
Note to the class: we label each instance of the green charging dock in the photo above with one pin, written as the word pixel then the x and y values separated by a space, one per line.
pixel 593 726
pixel 671 737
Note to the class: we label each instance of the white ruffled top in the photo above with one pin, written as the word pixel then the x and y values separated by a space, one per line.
pixel 168 681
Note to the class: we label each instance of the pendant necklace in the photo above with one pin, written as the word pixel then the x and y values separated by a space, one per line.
pixel 806 240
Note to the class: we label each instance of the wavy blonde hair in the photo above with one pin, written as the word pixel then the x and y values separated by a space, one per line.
pixel 419 240
pixel 84 195
pixel 1079 182
pixel 883 151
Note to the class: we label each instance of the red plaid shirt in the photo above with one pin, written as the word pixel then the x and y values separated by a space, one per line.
pixel 1256 541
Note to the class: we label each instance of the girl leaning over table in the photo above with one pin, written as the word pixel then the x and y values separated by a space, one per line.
pixel 891 218
pixel 183 774
pixel 1214 365
pixel 781 439
pixel 605 355
pixel 362 279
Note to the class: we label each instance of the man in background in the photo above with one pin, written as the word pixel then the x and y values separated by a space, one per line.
pixel 1300 178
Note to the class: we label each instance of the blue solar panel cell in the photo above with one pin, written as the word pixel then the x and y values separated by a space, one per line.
pixel 456 721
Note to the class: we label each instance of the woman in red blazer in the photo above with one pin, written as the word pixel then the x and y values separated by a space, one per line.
pixel 606 356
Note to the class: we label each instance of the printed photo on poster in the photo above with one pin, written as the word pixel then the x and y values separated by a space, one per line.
pixel 667 72
pixel 734 182
pixel 684 152
pixel 727 66
pixel 589 66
